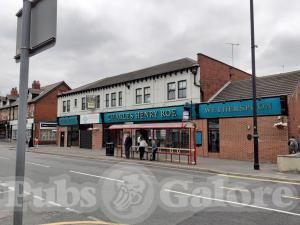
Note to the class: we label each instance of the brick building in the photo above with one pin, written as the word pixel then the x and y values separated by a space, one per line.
pixel 41 112
pixel 156 94
pixel 226 122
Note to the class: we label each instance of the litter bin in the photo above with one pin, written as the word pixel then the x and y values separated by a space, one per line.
pixel 110 149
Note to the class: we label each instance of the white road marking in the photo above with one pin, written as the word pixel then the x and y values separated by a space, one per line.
pixel 54 203
pixel 231 202
pixel 37 164
pixel 100 177
pixel 39 198
pixel 1 157
pixel 235 189
pixel 291 197
pixel 73 210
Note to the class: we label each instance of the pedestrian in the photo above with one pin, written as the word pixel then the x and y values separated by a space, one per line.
pixel 36 143
pixel 143 145
pixel 127 145
pixel 154 150
pixel 30 143
pixel 293 145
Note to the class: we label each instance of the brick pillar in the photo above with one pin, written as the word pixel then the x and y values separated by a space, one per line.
pixel 97 137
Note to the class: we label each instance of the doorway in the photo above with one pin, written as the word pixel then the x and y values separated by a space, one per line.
pixel 62 139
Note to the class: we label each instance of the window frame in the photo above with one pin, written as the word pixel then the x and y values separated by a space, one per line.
pixel 140 96
pixel 181 89
pixel 107 100
pixel 97 101
pixel 83 103
pixel 75 103
pixel 64 106
pixel 171 90
pixel 120 98
pixel 113 99
pixel 148 94
pixel 68 105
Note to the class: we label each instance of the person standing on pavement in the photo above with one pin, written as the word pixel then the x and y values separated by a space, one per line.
pixel 127 145
pixel 293 145
pixel 154 150
pixel 36 143
pixel 143 145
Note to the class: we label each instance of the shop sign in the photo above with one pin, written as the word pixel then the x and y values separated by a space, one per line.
pixel 243 108
pixel 68 120
pixel 90 118
pixel 45 125
pixel 90 102
pixel 155 114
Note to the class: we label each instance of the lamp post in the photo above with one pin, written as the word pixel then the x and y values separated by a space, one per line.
pixel 255 131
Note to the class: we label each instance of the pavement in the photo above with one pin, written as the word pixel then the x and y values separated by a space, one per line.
pixel 71 189
pixel 212 165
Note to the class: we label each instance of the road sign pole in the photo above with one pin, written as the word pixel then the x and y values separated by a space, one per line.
pixel 255 130
pixel 22 113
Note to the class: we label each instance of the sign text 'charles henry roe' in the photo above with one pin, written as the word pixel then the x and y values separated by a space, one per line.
pixel 157 114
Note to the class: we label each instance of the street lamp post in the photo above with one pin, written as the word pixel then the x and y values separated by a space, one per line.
pixel 255 131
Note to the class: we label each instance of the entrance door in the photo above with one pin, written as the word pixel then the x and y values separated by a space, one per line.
pixel 86 139
pixel 62 139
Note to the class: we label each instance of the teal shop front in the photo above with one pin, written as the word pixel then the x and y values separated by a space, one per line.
pixel 68 131
pixel 227 127
pixel 167 125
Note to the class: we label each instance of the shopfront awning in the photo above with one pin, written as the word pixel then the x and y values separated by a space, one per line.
pixel 153 126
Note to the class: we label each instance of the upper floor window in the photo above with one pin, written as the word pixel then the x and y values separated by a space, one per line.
pixel 107 100
pixel 171 90
pixel 83 103
pixel 64 106
pixel 120 98
pixel 75 103
pixel 182 89
pixel 138 96
pixel 68 105
pixel 98 101
pixel 147 95
pixel 113 99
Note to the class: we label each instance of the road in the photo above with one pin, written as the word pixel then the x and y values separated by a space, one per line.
pixel 60 189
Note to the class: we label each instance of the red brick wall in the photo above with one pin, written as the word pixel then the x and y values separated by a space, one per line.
pixel 97 137
pixel 215 74
pixel 234 144
pixel 294 114
pixel 46 108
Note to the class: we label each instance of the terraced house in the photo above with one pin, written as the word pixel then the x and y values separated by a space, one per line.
pixel 41 112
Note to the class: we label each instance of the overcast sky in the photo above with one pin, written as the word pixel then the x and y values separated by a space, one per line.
pixel 99 38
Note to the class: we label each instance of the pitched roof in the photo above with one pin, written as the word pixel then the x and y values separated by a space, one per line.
pixel 164 68
pixel 43 91
pixel 267 86
pixel 46 90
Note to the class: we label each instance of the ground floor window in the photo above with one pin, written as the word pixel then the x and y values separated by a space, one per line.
pixel 213 135
pixel 73 136
pixel 47 135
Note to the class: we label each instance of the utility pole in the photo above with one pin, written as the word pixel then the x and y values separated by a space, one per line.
pixel 255 130
pixel 22 113
pixel 232 53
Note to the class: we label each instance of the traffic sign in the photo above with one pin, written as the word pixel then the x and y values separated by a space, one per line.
pixel 42 27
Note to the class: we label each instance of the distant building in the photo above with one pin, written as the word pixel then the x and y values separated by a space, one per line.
pixel 41 112
pixel 157 94
pixel 226 119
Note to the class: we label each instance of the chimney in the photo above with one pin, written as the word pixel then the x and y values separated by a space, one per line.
pixel 14 92
pixel 36 84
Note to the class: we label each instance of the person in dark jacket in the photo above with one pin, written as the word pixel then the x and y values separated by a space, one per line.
pixel 127 145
